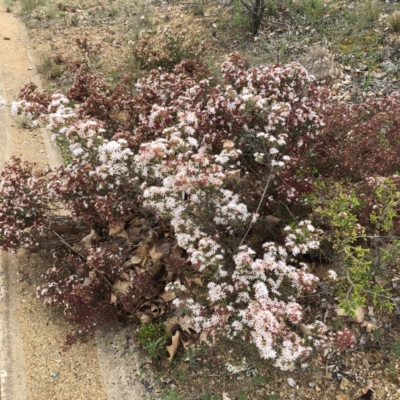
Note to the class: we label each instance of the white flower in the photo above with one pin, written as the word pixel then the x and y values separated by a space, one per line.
pixel 273 150
pixel 332 274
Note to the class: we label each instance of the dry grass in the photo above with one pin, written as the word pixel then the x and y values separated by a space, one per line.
pixel 394 21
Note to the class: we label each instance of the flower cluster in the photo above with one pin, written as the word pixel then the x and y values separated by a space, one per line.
pixel 25 205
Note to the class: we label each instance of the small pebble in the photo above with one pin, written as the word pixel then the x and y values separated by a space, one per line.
pixel 343 383
pixel 291 382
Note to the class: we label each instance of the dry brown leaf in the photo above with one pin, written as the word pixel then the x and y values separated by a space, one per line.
pixel 123 234
pixel 369 326
pixel 203 337
pixel 186 324
pixel 318 269
pixel 145 318
pixel 90 239
pixel 305 329
pixel 155 255
pixel 116 228
pixel 87 281
pixel 194 281
pixel 157 310
pixel 225 396
pixel 134 260
pixel 373 356
pixel 172 349
pixel 124 276
pixel 142 252
pixel 371 311
pixel 272 220
pixel 139 270
pixel 113 299
pixel 168 296
pixel 120 287
pixel 171 324
pixel 186 343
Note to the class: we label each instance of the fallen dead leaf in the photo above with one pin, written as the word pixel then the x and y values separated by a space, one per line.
pixel 373 356
pixel 186 324
pixel 135 260
pixel 116 228
pixel 371 311
pixel 272 220
pixel 123 234
pixel 88 241
pixel 186 343
pixel 120 287
pixel 172 349
pixel 225 396
pixel 142 253
pixel 171 324
pixel 146 319
pixel 369 326
pixel 203 337
pixel 113 299
pixel 157 310
pixel 194 281
pixel 156 258
pixel 168 296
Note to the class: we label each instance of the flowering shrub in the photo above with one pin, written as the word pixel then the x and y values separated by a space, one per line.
pixel 212 162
